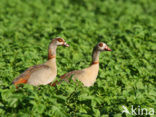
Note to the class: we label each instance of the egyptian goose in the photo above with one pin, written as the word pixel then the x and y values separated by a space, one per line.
pixel 45 73
pixel 88 75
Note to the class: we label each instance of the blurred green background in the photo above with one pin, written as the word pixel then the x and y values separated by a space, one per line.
pixel 127 75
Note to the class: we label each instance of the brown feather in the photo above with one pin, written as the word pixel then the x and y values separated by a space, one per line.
pixel 25 76
pixel 20 81
pixel 66 77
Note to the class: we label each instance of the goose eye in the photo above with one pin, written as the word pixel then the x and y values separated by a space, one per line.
pixel 101 44
pixel 60 40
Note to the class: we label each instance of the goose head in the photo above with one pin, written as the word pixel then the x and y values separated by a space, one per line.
pixel 102 47
pixel 60 42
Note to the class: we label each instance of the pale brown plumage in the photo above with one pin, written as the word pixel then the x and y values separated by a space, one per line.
pixel 88 75
pixel 45 73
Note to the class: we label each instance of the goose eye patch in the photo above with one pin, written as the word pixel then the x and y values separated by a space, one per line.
pixel 60 40
pixel 101 44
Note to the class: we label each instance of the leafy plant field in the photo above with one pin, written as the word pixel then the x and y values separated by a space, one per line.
pixel 127 75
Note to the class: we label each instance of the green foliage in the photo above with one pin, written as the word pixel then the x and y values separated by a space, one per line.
pixel 127 75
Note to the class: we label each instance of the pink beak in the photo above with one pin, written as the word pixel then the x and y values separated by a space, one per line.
pixel 65 44
pixel 107 49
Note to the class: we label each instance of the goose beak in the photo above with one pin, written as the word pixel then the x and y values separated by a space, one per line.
pixel 107 48
pixel 65 44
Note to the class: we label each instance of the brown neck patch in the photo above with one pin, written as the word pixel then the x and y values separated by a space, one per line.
pixel 50 56
pixel 96 62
